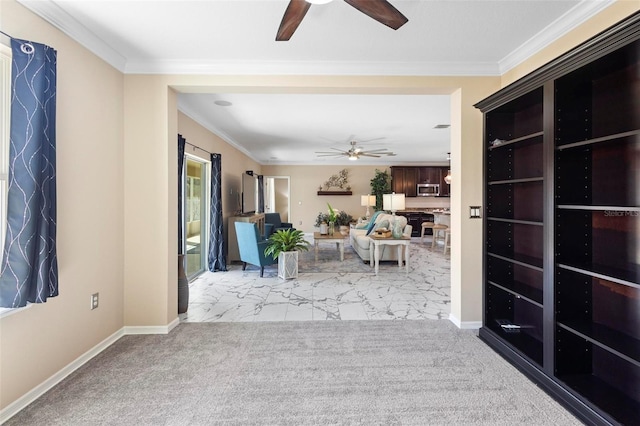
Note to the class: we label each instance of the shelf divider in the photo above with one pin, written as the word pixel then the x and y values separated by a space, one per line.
pixel 608 339
pixel 598 140
pixel 516 140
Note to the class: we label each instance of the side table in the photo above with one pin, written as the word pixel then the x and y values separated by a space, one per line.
pixel 374 250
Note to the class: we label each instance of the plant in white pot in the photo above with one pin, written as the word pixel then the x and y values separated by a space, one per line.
pixel 285 245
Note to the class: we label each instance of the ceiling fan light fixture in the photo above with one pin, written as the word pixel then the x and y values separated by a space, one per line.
pixel 353 157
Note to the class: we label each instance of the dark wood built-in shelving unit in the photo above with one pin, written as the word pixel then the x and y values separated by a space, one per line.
pixel 562 230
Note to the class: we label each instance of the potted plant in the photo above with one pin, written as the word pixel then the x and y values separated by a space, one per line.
pixel 321 222
pixel 343 220
pixel 380 184
pixel 332 219
pixel 285 245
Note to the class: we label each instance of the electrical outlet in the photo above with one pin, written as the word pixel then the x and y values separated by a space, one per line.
pixel 300 223
pixel 94 301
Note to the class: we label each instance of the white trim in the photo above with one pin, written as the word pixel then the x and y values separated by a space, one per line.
pixel 574 17
pixel 196 116
pixel 466 325
pixel 209 67
pixel 19 404
pixel 151 329
pixel 59 18
pixel 35 393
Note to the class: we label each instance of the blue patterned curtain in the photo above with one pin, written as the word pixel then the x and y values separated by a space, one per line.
pixel 29 271
pixel 181 143
pixel 260 194
pixel 217 260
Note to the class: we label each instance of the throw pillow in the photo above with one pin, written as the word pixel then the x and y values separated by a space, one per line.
pixel 372 222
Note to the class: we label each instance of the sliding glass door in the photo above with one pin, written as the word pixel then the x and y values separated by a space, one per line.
pixel 196 201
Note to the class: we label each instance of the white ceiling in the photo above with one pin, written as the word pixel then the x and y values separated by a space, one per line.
pixel 442 37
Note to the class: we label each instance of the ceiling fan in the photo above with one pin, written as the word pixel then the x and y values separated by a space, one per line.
pixel 380 10
pixel 355 152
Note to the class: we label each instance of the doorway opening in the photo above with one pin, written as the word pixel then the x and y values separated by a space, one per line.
pixel 276 196
pixel 196 202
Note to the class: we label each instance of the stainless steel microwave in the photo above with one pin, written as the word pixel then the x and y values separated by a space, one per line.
pixel 428 189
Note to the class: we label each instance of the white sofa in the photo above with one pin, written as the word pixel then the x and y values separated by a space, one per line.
pixel 360 240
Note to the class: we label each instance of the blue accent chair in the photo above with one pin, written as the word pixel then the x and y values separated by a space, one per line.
pixel 251 246
pixel 274 220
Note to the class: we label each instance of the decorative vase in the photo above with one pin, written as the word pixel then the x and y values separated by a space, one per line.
pixel 183 286
pixel 344 230
pixel 332 228
pixel 323 228
pixel 288 265
pixel 396 230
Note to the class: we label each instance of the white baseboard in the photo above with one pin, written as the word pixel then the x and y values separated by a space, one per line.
pixel 153 329
pixel 466 325
pixel 35 393
pixel 43 387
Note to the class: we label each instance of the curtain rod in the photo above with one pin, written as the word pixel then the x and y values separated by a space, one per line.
pixel 2 32
pixel 197 147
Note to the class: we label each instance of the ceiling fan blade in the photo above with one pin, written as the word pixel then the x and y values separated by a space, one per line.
pixel 381 150
pixel 292 18
pixel 380 10
pixel 362 154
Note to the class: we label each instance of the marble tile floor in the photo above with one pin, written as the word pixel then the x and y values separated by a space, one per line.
pixel 242 296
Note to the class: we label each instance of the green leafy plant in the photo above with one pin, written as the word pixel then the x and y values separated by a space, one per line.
pixel 286 240
pixel 344 219
pixel 332 214
pixel 322 217
pixel 380 184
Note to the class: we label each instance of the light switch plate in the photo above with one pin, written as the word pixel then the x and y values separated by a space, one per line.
pixel 474 212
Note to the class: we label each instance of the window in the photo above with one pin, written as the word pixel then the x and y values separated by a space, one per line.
pixel 5 109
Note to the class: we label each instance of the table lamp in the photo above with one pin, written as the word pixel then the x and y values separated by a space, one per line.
pixel 394 202
pixel 368 201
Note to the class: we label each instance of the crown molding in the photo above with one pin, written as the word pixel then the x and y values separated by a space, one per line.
pixel 196 116
pixel 313 68
pixel 59 18
pixel 52 13
pixel 571 19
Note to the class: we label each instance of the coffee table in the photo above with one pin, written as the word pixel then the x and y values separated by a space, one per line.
pixel 337 238
pixel 374 250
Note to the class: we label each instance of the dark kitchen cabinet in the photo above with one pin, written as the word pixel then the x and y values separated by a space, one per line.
pixel 429 175
pixel 415 219
pixel 404 180
pixel 561 261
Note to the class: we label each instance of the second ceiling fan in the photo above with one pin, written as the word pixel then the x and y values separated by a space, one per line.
pixel 380 10
pixel 355 152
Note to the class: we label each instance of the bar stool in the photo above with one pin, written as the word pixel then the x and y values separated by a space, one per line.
pixel 447 240
pixel 425 225
pixel 436 232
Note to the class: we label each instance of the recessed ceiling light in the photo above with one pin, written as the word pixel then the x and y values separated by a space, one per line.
pixel 442 126
pixel 223 103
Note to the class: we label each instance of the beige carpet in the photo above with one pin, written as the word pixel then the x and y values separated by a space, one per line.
pixel 298 373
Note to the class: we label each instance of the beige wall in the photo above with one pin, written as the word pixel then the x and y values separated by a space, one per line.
pixel 117 218
pixel 305 180
pixel 40 340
